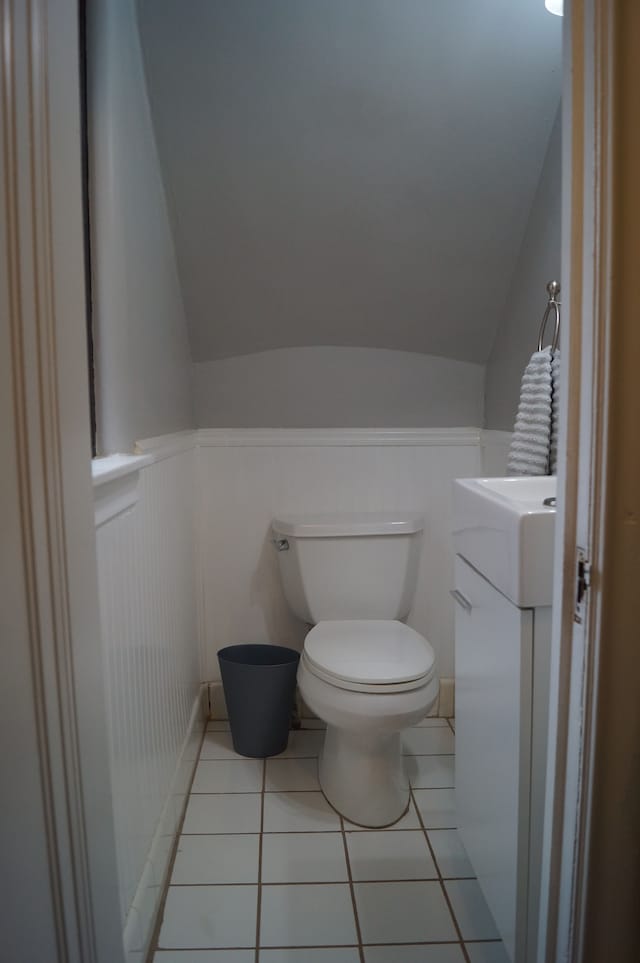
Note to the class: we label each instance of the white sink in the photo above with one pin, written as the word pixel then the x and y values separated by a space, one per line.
pixel 502 527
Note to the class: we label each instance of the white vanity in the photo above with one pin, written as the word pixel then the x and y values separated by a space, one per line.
pixel 503 539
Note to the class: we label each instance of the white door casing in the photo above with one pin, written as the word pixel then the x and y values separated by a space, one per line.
pixel 593 96
pixel 58 877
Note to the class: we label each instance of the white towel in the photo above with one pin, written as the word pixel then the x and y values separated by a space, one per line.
pixel 529 451
pixel 555 412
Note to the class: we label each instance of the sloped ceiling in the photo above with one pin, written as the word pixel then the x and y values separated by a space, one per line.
pixel 349 172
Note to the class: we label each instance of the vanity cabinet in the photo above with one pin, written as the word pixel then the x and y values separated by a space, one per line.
pixel 502 665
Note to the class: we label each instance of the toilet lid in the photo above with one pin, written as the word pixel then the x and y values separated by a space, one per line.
pixel 368 652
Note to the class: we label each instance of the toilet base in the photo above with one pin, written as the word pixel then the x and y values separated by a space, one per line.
pixel 363 776
pixel 362 769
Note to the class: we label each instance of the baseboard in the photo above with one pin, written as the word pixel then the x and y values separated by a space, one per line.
pixel 444 705
pixel 142 916
pixel 446 698
pixel 217 704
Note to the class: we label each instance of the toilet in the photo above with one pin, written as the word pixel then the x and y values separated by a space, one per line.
pixel 362 670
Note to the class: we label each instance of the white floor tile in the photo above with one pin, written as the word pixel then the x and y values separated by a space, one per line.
pixel 428 741
pixel 303 858
pixel 289 775
pixel 204 956
pixel 450 854
pixel 307 916
pixel 303 744
pixel 341 954
pixel 430 721
pixel 223 813
pixel 408 821
pixel 487 953
pixel 228 775
pixel 209 916
pixel 430 772
pixel 384 855
pixel 216 859
pixel 437 807
pixel 403 913
pixel 472 913
pixel 218 745
pixel 298 812
pixel 418 953
pixel 218 725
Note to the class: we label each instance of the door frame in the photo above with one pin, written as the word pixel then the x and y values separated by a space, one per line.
pixel 42 280
pixel 52 659
pixel 592 839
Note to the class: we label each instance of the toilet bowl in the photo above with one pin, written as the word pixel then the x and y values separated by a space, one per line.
pixel 368 680
pixel 363 671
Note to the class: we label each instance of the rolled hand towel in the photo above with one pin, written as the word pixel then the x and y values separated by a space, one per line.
pixel 555 412
pixel 529 451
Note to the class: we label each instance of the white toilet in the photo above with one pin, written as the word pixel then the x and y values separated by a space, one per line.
pixel 365 673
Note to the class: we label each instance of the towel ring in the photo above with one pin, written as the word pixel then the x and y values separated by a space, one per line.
pixel 553 290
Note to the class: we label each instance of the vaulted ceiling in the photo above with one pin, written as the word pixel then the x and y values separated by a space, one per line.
pixel 349 172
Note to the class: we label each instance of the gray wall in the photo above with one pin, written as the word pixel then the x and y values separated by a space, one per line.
pixel 327 387
pixel 349 172
pixel 538 262
pixel 143 363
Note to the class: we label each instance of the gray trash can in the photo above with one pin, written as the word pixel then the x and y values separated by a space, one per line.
pixel 259 684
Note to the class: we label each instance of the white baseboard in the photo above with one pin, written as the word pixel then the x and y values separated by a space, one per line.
pixel 142 916
pixel 446 698
pixel 443 706
pixel 217 705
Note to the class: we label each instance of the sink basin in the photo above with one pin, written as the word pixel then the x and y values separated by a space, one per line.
pixel 502 527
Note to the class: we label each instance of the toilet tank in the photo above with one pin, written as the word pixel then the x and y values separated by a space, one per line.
pixel 358 566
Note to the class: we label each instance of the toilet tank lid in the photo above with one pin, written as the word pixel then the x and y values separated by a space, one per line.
pixel 361 523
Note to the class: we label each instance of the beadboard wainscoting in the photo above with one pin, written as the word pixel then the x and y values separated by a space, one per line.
pixel 147 583
pixel 185 559
pixel 246 477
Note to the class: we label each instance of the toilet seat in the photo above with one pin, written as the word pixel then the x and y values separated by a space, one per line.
pixel 376 656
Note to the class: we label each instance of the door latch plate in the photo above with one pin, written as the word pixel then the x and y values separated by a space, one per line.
pixel 583 582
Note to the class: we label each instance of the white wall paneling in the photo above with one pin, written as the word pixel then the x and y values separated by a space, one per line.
pixel 246 477
pixel 165 582
pixel 147 585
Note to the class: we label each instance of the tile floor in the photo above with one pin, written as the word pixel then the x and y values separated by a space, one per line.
pixel 267 872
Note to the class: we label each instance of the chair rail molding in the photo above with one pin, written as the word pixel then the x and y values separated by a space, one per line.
pixel 335 437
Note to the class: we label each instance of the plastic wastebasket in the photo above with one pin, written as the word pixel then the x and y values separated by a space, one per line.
pixel 259 684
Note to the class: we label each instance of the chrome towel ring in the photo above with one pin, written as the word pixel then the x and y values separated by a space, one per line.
pixel 553 290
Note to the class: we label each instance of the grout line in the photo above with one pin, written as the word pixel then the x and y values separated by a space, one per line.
pixel 352 891
pixel 441 882
pixel 238 758
pixel 328 882
pixel 298 832
pixel 317 946
pixel 259 904
pixel 256 792
pixel 157 926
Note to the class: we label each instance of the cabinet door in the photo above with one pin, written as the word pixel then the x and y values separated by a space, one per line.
pixel 493 729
